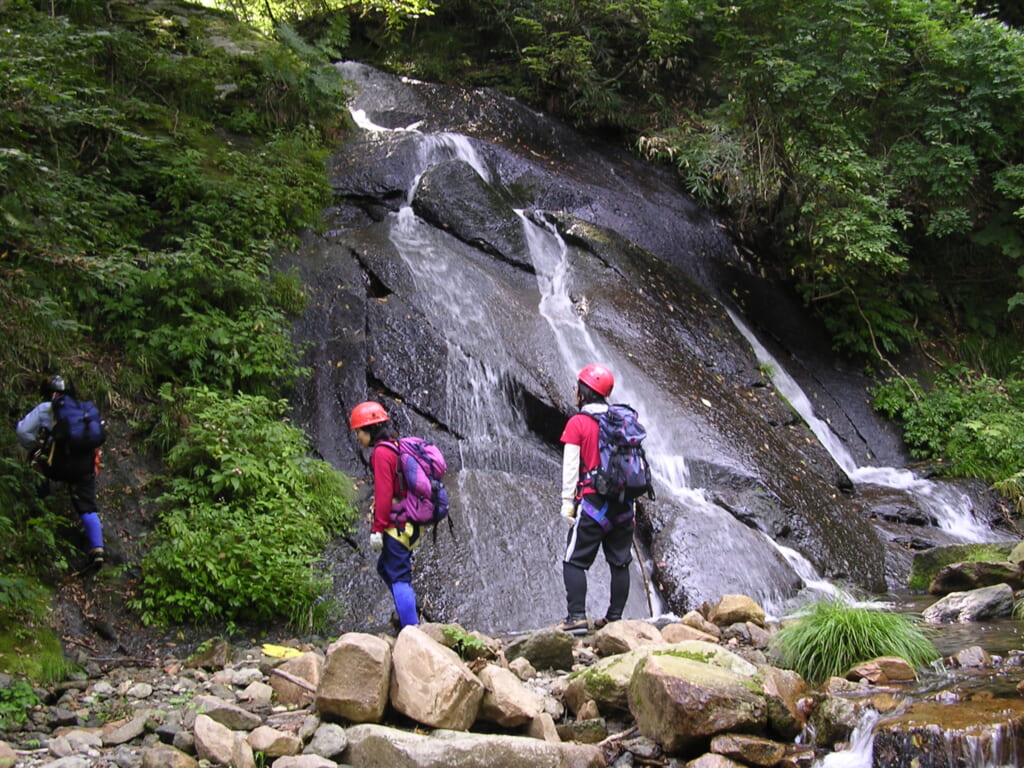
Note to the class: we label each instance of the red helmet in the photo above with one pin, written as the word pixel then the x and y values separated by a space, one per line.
pixel 365 414
pixel 598 378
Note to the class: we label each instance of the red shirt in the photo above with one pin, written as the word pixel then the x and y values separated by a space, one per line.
pixel 384 463
pixel 582 430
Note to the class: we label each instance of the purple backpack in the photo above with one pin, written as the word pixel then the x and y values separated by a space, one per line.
pixel 421 472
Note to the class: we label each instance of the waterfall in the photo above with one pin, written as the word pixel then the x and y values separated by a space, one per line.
pixel 578 347
pixel 948 506
pixel 860 752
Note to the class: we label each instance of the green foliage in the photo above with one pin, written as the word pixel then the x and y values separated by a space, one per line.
pixel 466 645
pixel 145 183
pixel 244 516
pixel 15 702
pixel 591 59
pixel 389 16
pixel 832 636
pixel 35 653
pixel 972 424
pixel 865 147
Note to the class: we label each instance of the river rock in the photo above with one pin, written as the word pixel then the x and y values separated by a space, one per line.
pixel 749 750
pixel 306 669
pixel 678 632
pixel 507 702
pixel 356 678
pixel 733 609
pixel 985 732
pixel 710 760
pixel 546 649
pixel 977 605
pixel 680 702
pixel 783 690
pixel 883 670
pixel 329 740
pixel 378 745
pixel 274 743
pixel 227 714
pixel 430 684
pixel 164 756
pixel 622 636
pixel 966 576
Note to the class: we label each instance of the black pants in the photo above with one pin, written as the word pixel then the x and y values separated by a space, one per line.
pixel 585 538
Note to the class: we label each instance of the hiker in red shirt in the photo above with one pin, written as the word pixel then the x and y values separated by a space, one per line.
pixel 597 523
pixel 395 542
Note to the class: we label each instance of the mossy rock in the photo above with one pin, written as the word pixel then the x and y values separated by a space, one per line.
pixel 929 561
pixel 1017 555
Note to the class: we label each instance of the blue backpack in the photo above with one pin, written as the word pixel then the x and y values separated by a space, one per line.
pixel 421 472
pixel 77 426
pixel 623 473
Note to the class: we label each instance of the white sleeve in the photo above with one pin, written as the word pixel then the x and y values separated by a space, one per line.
pixel 570 472
pixel 35 420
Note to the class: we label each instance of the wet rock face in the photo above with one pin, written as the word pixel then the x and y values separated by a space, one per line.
pixel 466 283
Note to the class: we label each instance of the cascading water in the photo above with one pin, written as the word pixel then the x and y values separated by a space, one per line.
pixel 578 346
pixel 481 410
pixel 949 507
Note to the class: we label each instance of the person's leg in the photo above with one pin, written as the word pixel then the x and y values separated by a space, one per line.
pixel 395 567
pixel 617 546
pixel 581 547
pixel 405 603
pixel 83 501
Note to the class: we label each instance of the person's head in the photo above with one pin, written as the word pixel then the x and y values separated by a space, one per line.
pixel 52 386
pixel 370 421
pixel 593 385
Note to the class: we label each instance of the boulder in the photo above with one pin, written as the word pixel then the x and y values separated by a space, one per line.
pixel 680 632
pixel 976 605
pixel 378 745
pixel 940 736
pixel 231 716
pixel 507 702
pixel 295 680
pixel 783 690
pixel 682 703
pixel 164 756
pixel 622 636
pixel 749 750
pixel 883 670
pixel 430 683
pixel 696 620
pixel 967 576
pixel 733 609
pixel 546 649
pixel 214 742
pixel 356 678
pixel 274 743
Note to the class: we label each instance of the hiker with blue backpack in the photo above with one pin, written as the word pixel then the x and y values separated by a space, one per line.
pixel 604 471
pixel 408 493
pixel 63 435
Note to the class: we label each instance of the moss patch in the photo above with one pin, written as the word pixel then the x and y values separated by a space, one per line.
pixel 928 562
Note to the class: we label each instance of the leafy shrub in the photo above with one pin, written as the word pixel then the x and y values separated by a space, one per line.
pixel 15 702
pixel 833 636
pixel 245 514
pixel 971 423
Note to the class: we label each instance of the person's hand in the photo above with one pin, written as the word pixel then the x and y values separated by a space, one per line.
pixel 569 513
pixel 376 541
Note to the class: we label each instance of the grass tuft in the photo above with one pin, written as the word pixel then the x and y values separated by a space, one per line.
pixel 832 636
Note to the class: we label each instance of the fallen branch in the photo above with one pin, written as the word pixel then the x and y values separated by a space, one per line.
pixel 617 737
pixel 293 679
